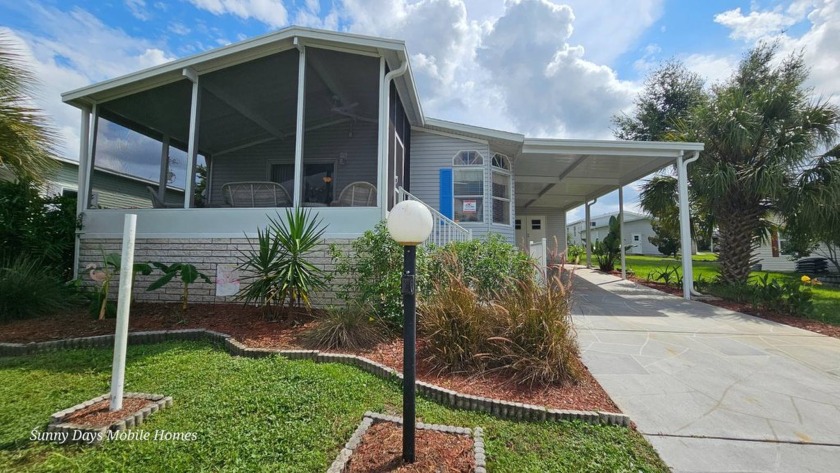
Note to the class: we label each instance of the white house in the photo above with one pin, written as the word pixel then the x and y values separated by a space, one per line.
pixel 329 121
pixel 637 231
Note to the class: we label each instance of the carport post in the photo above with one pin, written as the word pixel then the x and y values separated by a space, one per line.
pixel 621 231
pixel 588 236
pixel 685 222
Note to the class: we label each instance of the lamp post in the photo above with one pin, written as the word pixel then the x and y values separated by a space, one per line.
pixel 409 223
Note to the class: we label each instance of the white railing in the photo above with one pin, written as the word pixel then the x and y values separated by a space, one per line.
pixel 445 229
pixel 539 252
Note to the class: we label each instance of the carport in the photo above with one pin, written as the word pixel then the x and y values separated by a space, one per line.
pixel 563 174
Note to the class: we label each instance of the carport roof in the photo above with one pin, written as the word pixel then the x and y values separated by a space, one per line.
pixel 563 174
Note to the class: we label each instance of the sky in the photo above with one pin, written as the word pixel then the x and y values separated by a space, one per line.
pixel 544 68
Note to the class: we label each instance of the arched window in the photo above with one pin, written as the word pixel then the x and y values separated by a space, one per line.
pixel 468 186
pixel 502 181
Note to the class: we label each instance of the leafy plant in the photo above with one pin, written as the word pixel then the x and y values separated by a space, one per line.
pixel 790 297
pixel 669 275
pixel 41 227
pixel 574 253
pixel 608 250
pixel 29 288
pixel 188 275
pixel 349 328
pixel 279 267
pixel 369 273
pixel 102 276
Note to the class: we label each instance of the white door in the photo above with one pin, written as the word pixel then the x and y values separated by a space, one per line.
pixel 636 241
pixel 529 228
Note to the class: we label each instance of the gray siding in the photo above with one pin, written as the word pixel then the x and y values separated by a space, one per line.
pixel 322 145
pixel 429 153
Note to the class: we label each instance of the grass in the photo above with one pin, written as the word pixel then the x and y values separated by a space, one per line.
pixel 826 298
pixel 266 414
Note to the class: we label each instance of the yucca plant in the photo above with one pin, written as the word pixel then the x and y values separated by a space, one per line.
pixel 298 236
pixel 277 268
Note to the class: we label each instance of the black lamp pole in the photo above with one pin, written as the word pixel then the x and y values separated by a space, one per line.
pixel 409 355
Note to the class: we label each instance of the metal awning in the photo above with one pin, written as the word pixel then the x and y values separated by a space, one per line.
pixel 563 174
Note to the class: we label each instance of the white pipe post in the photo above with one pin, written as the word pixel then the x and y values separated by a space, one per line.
pixel 685 228
pixel 621 231
pixel 123 305
pixel 588 235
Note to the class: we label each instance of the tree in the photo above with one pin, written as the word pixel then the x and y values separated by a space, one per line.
pixel 667 239
pixel 671 92
pixel 26 139
pixel 760 129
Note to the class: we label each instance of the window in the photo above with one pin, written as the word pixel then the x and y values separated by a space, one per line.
pixel 593 224
pixel 501 189
pixel 536 224
pixel 636 238
pixel 468 186
pixel 518 224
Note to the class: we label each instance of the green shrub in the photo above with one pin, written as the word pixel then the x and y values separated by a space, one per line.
pixel 789 297
pixel 483 263
pixel 29 288
pixel 349 328
pixel 574 253
pixel 278 269
pixel 369 274
pixel 669 275
pixel 43 228
pixel 526 331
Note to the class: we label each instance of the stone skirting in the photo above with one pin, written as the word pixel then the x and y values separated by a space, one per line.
pixel 205 254
pixel 496 407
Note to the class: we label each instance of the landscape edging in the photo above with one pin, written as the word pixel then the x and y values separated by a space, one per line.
pixel 495 407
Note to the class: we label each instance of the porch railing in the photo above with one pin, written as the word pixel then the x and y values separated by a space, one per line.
pixel 445 229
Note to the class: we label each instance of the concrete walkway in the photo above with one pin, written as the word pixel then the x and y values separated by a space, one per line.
pixel 713 390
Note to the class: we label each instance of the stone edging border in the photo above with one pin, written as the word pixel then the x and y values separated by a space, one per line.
pixel 96 435
pixel 371 418
pixel 446 397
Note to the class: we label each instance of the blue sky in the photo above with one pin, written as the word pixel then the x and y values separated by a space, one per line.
pixel 544 68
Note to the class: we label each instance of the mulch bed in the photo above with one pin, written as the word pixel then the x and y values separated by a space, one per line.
pixel 99 415
pixel 381 451
pixel 251 327
pixel 798 322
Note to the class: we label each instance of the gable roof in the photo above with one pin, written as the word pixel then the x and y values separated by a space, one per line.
pixel 394 52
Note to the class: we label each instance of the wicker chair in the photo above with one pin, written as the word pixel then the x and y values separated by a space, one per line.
pixel 357 194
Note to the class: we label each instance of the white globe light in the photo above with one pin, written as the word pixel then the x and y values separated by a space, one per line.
pixel 410 223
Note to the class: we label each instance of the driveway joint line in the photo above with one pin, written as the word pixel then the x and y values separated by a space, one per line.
pixel 740 439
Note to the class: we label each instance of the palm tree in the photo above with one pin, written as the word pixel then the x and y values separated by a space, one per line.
pixel 26 139
pixel 761 129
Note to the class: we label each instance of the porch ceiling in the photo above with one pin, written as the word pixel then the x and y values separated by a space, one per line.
pixel 565 173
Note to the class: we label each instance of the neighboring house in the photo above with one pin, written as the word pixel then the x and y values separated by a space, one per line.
pixel 637 231
pixel 332 122
pixel 111 189
pixel 771 254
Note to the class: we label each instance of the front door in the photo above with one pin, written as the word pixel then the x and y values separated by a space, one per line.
pixel 529 228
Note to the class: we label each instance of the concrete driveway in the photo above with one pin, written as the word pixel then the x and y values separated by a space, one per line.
pixel 713 390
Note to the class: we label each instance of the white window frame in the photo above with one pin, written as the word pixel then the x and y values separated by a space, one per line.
pixel 502 171
pixel 456 166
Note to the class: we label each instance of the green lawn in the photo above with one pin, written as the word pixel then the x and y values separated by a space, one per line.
pixel 267 414
pixel 826 299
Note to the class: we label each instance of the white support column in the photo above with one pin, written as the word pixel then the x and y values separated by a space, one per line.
pixel 621 231
pixel 85 193
pixel 164 169
pixel 382 147
pixel 81 181
pixel 588 235
pixel 192 148
pixel 685 228
pixel 297 199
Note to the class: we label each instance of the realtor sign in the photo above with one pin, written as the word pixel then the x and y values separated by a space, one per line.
pixel 470 207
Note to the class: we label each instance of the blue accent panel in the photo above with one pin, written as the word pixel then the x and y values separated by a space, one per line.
pixel 446 192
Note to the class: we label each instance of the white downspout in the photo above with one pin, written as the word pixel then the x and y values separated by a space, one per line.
pixel 588 223
pixel 621 231
pixel 685 224
pixel 384 108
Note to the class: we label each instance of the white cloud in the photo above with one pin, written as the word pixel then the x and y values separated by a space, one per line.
pixel 61 65
pixel 711 67
pixel 270 12
pixel 755 25
pixel 549 88
pixel 179 28
pixel 138 9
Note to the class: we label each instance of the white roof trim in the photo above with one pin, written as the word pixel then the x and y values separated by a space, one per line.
pixel 653 149
pixel 486 133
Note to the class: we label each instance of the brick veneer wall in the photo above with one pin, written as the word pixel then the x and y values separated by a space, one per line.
pixel 206 254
